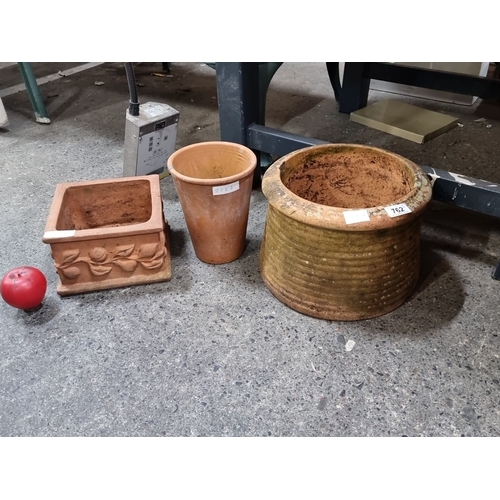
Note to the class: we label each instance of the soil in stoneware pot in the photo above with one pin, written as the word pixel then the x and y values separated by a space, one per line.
pixel 350 181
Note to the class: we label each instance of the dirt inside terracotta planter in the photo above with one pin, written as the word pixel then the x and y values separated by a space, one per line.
pixel 105 205
pixel 350 180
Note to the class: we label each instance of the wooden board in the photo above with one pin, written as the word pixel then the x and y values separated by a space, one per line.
pixel 404 120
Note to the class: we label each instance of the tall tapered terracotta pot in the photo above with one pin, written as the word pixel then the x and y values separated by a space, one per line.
pixel 342 234
pixel 214 184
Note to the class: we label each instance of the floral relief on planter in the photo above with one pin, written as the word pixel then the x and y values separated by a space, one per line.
pixel 108 233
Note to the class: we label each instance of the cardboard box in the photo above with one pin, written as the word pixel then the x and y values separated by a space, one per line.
pixel 469 68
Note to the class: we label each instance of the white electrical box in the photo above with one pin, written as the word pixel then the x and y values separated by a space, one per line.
pixel 149 139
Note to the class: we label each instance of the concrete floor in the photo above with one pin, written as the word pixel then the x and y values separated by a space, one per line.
pixel 212 352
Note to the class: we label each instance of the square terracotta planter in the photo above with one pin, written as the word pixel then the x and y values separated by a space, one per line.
pixel 108 234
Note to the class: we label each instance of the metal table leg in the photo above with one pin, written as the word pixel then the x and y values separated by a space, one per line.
pixel 355 88
pixel 334 76
pixel 266 73
pixel 34 94
pixel 238 98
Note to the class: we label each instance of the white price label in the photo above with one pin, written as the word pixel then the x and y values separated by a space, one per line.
pixel 354 216
pixel 397 210
pixel 59 234
pixel 228 188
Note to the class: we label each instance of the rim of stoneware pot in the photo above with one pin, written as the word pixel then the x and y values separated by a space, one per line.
pixel 248 153
pixel 288 203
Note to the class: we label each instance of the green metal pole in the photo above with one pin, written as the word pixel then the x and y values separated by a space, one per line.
pixel 34 93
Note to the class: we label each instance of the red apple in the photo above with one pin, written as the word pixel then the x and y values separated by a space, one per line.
pixel 24 287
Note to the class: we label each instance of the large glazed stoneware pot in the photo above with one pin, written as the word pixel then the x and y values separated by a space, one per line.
pixel 214 184
pixel 342 233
